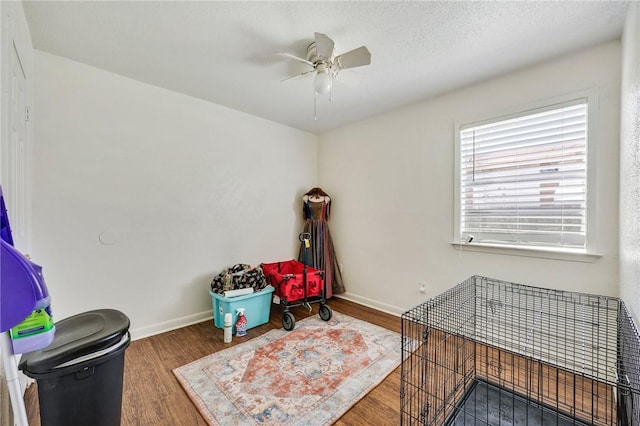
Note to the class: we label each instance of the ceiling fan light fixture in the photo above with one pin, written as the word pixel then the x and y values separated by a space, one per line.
pixel 322 82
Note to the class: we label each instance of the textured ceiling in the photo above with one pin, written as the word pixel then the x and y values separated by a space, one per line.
pixel 224 52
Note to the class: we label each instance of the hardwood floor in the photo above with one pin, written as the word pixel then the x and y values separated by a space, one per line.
pixel 153 396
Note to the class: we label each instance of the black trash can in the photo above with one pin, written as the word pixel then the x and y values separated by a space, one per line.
pixel 80 373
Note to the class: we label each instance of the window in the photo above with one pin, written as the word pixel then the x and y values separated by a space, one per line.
pixel 523 179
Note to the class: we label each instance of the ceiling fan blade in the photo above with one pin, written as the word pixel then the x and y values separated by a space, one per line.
pixel 293 77
pixel 354 58
pixel 324 45
pixel 290 56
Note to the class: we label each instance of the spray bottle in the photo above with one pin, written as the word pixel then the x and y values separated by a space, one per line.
pixel 228 323
pixel 241 324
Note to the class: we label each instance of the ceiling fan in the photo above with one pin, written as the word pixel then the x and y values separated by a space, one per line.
pixel 326 66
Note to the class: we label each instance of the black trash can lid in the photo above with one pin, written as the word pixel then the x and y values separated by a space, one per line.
pixel 78 336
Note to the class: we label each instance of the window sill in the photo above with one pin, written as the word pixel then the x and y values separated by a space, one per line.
pixel 528 251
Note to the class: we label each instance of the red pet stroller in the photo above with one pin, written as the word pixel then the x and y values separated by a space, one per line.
pixel 297 284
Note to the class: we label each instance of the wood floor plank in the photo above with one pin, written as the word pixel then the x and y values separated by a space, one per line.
pixel 152 395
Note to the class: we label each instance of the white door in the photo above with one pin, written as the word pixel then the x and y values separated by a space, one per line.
pixel 16 185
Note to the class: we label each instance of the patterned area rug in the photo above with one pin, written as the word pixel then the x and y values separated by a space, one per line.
pixel 309 376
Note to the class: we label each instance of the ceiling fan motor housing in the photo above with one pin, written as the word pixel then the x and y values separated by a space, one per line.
pixel 312 54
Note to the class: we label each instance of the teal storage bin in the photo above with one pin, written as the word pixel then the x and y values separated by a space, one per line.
pixel 257 307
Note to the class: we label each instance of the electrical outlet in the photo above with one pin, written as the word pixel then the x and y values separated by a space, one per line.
pixel 422 287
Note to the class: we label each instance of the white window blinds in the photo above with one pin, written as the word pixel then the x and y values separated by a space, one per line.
pixel 523 180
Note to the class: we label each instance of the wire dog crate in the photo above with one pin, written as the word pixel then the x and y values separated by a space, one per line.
pixel 489 352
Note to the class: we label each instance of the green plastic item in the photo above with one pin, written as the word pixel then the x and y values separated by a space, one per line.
pixel 39 321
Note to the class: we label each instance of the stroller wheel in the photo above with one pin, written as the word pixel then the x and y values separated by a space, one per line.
pixel 325 313
pixel 288 321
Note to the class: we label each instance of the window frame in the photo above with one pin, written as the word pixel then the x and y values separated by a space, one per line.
pixel 588 254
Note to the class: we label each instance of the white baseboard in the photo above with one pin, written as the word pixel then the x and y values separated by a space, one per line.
pixel 384 307
pixel 162 327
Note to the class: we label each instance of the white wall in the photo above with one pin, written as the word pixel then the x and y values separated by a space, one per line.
pixel 184 187
pixel 630 162
pixel 391 178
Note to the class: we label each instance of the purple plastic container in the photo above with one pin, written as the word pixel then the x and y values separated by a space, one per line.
pixel 22 288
